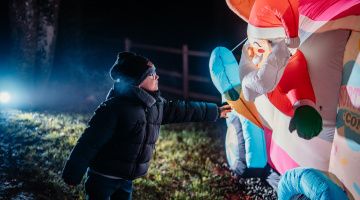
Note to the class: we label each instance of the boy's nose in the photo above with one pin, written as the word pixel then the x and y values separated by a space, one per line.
pixel 156 77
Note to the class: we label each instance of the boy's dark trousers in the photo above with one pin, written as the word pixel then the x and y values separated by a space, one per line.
pixel 98 187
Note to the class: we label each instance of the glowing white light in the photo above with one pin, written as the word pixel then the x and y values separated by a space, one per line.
pixel 4 97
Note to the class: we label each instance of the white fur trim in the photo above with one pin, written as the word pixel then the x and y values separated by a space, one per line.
pixel 272 33
pixel 293 42
pixel 304 102
pixel 265 33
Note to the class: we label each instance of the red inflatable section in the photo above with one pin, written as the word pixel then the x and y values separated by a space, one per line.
pixel 295 85
pixel 275 19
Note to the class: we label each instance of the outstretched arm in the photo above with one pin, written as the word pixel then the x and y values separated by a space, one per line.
pixel 192 111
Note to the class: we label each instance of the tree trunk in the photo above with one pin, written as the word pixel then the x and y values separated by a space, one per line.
pixel 46 39
pixel 24 33
pixel 34 30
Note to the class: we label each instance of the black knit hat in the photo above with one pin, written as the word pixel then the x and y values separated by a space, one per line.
pixel 131 67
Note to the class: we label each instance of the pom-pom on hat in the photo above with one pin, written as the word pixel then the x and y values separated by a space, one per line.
pixel 131 68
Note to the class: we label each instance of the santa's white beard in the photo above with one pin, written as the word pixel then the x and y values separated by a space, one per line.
pixel 257 59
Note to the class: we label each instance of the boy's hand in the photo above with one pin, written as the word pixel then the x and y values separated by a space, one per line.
pixel 223 110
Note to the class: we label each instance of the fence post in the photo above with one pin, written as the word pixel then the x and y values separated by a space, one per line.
pixel 127 44
pixel 185 54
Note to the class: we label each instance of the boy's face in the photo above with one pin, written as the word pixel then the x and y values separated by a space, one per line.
pixel 150 83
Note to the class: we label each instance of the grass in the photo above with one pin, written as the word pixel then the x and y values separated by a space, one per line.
pixel 187 163
pixel 183 168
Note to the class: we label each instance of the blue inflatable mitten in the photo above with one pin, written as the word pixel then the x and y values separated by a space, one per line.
pixel 224 71
pixel 309 182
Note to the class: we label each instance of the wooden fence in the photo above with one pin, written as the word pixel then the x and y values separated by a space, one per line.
pixel 185 52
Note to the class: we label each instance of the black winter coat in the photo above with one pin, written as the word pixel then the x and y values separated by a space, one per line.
pixel 121 136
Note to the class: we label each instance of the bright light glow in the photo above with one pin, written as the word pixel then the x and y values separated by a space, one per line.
pixel 4 97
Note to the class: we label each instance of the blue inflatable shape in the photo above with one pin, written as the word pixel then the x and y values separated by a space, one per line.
pixel 224 71
pixel 351 74
pixel 244 144
pixel 357 188
pixel 310 182
pixel 235 144
pixel 255 144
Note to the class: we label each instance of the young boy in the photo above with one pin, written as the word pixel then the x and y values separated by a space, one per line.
pixel 118 143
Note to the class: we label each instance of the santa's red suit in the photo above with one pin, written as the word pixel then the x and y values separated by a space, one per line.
pixel 283 78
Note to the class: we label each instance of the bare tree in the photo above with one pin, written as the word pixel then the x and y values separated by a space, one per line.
pixel 34 28
pixel 24 33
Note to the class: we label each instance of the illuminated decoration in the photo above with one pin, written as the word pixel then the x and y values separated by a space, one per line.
pixel 300 178
pixel 245 144
pixel 5 97
pixel 327 58
pixel 241 7
pixel 346 144
pixel 288 86
pixel 225 73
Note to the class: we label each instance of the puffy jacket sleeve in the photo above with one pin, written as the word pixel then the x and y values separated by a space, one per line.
pixel 189 111
pixel 100 129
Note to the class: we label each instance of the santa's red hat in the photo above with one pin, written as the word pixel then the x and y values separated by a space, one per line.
pixel 270 19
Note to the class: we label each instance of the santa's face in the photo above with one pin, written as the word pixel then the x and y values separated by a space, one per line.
pixel 259 50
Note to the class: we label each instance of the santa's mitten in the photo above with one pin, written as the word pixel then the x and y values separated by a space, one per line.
pixel 307 121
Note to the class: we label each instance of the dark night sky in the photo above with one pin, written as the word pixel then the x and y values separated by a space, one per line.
pixel 102 25
pixel 167 22
pixel 4 33
pixel 91 32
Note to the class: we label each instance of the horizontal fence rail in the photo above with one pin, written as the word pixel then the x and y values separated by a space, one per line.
pixel 184 75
